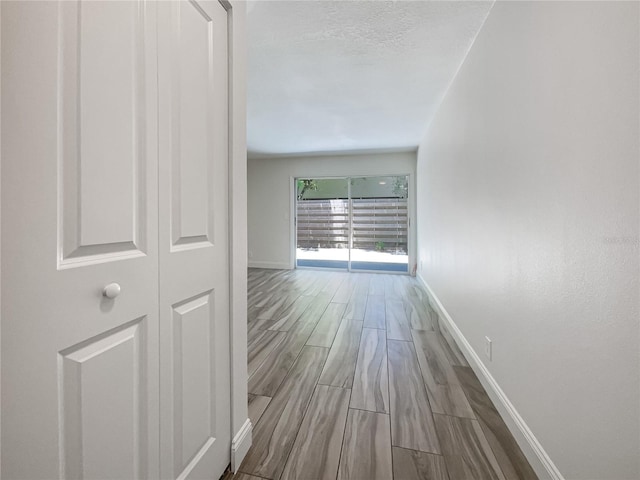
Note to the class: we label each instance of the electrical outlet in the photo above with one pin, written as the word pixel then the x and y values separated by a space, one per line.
pixel 250 253
pixel 487 347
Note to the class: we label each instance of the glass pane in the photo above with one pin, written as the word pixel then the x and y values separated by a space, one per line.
pixel 380 223
pixel 322 223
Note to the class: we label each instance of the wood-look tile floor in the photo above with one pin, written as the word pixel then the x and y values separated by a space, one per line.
pixel 353 376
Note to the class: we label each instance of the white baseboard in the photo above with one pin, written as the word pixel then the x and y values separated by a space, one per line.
pixel 240 445
pixel 273 265
pixel 531 447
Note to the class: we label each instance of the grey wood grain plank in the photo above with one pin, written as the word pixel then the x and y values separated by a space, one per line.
pixel 452 351
pixel 319 282
pixel 398 327
pixel 255 327
pixel 316 450
pixel 411 418
pixel 415 465
pixel 389 287
pixel 257 406
pixel 509 455
pixel 420 318
pixel 393 286
pixel 275 433
pixel 343 294
pixel 302 281
pixel 244 476
pixel 370 383
pixel 336 280
pixel 366 451
pixel 449 400
pixel 408 281
pixel 341 363
pixel 277 306
pixel 376 285
pixel 445 395
pixel 316 308
pixel 433 347
pixel 268 376
pixel 307 280
pixel 416 290
pixel 362 286
pixel 262 300
pixel 271 281
pixel 374 315
pixel 291 315
pixel 356 307
pixel 465 448
pixel 327 326
pixel 260 346
pixel 512 461
pixel 266 280
pixel 255 297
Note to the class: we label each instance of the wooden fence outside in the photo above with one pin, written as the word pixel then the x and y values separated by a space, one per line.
pixel 378 224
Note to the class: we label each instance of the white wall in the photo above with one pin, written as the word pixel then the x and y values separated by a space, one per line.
pixel 271 196
pixel 528 212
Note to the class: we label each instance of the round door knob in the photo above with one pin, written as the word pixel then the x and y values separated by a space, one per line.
pixel 111 291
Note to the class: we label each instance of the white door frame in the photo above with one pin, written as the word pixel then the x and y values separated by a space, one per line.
pixel 240 424
pixel 0 236
pixel 241 428
pixel 293 222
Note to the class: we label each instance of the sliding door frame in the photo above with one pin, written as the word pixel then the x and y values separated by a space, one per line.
pixel 293 224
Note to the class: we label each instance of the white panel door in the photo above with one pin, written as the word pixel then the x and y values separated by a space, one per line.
pixel 194 250
pixel 79 212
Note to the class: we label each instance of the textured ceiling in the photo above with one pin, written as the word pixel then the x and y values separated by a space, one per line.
pixel 351 75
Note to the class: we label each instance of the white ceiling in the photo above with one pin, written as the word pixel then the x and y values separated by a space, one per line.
pixel 351 75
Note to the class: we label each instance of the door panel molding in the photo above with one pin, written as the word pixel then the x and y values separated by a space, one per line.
pixel 112 363
pixel 193 379
pixel 192 144
pixel 101 131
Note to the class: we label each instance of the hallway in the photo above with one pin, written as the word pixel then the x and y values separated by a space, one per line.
pixel 354 376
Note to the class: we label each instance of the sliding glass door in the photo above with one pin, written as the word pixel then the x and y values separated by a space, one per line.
pixel 379 223
pixel 356 223
pixel 322 223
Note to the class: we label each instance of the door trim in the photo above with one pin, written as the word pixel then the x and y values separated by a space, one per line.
pixel 1 161
pixel 293 220
pixel 241 428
